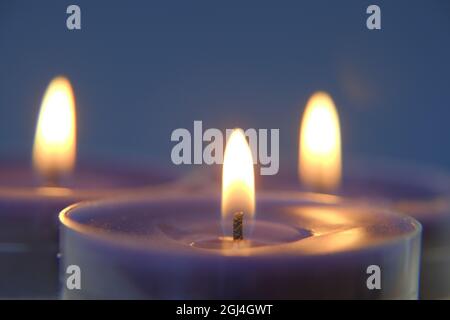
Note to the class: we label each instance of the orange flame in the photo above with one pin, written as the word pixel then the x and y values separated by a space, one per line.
pixel 320 144
pixel 238 181
pixel 54 148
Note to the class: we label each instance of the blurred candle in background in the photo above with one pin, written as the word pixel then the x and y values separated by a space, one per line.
pixel 417 191
pixel 30 200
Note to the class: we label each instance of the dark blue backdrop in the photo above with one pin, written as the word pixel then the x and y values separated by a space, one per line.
pixel 143 68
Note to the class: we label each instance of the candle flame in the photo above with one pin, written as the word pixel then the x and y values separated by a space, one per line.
pixel 238 181
pixel 54 148
pixel 320 144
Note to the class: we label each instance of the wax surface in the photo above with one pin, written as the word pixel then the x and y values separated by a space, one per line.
pixel 148 246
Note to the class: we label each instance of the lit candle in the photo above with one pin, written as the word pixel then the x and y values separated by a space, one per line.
pixel 417 191
pixel 28 211
pixel 177 247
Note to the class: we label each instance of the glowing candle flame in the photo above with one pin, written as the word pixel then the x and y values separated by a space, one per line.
pixel 238 182
pixel 54 148
pixel 320 144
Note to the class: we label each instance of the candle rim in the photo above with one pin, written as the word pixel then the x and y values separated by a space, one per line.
pixel 94 233
pixel 113 186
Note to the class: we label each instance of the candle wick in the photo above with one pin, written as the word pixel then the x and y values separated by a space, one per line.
pixel 238 229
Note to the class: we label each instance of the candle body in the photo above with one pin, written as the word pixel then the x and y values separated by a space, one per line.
pixel 148 249
pixel 29 246
pixel 29 224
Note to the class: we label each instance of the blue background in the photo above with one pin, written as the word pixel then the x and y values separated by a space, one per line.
pixel 141 69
